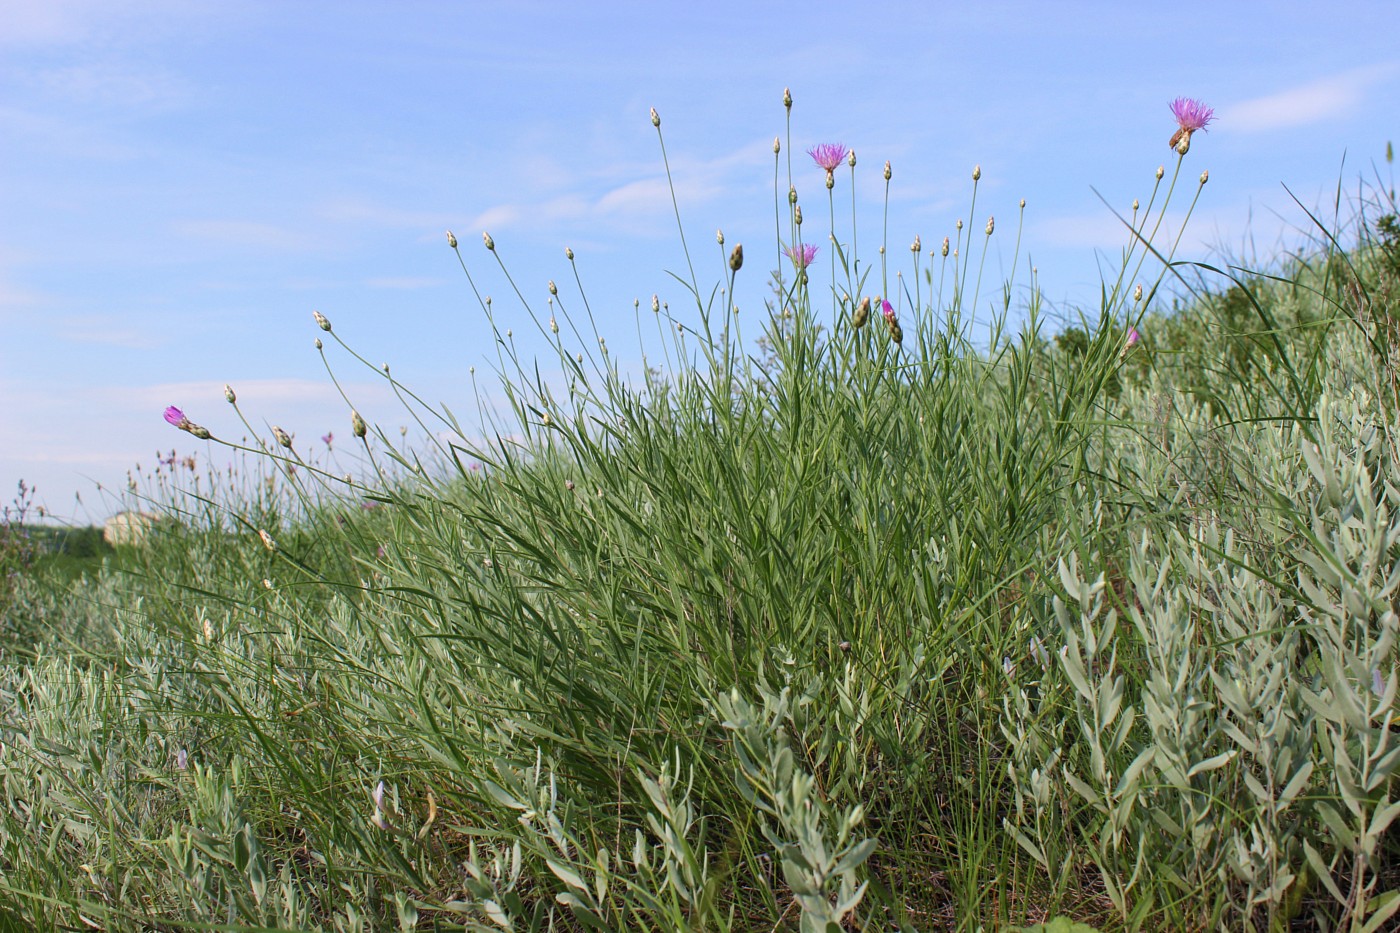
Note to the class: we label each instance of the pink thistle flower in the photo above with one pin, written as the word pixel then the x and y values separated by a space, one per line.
pixel 1128 344
pixel 327 438
pixel 887 310
pixel 1191 115
pixel 801 254
pixel 176 417
pixel 828 155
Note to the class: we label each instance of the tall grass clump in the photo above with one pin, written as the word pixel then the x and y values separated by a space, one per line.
pixel 873 618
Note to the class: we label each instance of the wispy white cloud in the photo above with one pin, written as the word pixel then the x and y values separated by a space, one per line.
pixel 246 233
pixel 637 202
pixel 106 330
pixel 1327 98
pixel 403 282
pixel 113 85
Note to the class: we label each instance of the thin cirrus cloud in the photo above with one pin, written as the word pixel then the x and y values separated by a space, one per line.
pixel 1328 98
pixel 248 233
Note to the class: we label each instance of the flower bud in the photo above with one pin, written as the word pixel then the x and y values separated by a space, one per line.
pixel 977 173
pixel 553 289
pixel 797 215
pixel 719 237
pixel 1135 204
pixel 736 258
pixel 321 321
pixel 896 332
pixel 851 158
pixel 1181 142
pixel 267 541
pixel 787 98
pixel 1023 204
pixel 490 243
pixel 917 246
pixel 655 304
pixel 991 225
pixel 228 394
pixel 357 424
pixel 1160 172
pixel 568 254
pixel 862 313
pixel 655 117
pixel 199 431
pixel 318 343
pixel 451 239
pixel 1205 176
pixel 888 173
pixel 1137 293
pixel 959 225
pixel 777 145
pixel 945 248
pixel 830 181
pixel 792 194
pixel 553 326
pixel 283 437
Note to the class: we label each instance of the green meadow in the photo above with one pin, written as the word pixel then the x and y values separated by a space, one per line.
pixel 887 603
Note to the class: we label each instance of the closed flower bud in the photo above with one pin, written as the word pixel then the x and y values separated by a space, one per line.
pixel 777 145
pixel 553 326
pixel 199 431
pixel 319 345
pixel 357 424
pixel 851 158
pixel 1137 293
pixel 959 224
pixel 283 437
pixel 553 289
pixel 736 258
pixel 719 237
pixel 917 246
pixel 862 313
pixel 896 332
pixel 977 173
pixel 655 117
pixel 486 238
pixel 451 239
pixel 655 304
pixel 945 247
pixel 797 215
pixel 1160 172
pixel 568 254
pixel 787 98
pixel 991 225
pixel 792 194
pixel 1135 203
pixel 321 321
pixel 1023 204
pixel 228 394
pixel 1205 176
pixel 888 173
pixel 267 541
pixel 830 181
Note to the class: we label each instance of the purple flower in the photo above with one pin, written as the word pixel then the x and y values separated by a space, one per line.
pixel 1133 336
pixel 327 438
pixel 176 417
pixel 828 155
pixel 1191 115
pixel 801 254
pixel 887 310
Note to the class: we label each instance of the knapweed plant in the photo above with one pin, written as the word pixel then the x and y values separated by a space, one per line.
pixel 898 612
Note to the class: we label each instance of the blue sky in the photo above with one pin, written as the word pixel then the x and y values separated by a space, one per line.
pixel 183 183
